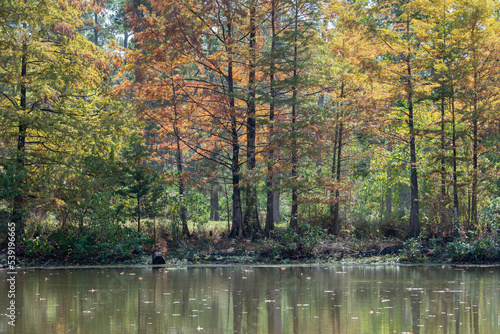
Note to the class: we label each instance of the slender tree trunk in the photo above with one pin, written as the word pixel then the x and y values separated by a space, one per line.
pixel 294 211
pixel 270 219
pixel 125 39
pixel 237 229
pixel 337 166
pixel 214 205
pixel 414 228
pixel 138 213
pixel 388 191
pixel 18 210
pixel 251 218
pixel 474 155
pixel 456 222
pixel 180 167
pixel 333 228
pixel 336 211
pixel 182 190
pixel 96 29
pixel 443 200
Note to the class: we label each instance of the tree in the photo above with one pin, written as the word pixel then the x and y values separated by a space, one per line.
pixel 199 74
pixel 394 24
pixel 52 91
pixel 479 93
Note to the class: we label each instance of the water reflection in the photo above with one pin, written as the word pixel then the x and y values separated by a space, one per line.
pixel 336 299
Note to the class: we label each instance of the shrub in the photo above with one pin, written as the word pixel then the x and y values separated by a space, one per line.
pixel 291 244
pixel 105 243
pixel 412 248
pixel 437 245
pixel 480 250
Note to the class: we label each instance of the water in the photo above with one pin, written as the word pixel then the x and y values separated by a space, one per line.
pixel 240 299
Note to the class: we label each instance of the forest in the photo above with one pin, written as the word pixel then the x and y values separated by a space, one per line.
pixel 280 125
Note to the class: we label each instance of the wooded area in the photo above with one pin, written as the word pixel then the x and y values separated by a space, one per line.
pixel 359 118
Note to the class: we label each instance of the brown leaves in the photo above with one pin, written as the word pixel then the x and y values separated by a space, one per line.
pixel 64 29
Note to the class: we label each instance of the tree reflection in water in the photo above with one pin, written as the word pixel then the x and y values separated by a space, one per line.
pixel 241 299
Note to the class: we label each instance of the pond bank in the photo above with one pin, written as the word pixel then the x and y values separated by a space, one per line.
pixel 281 251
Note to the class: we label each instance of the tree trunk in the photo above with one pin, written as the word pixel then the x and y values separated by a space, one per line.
pixel 294 211
pixel 443 200
pixel 336 211
pixel 214 205
pixel 237 229
pixel 337 166
pixel 456 222
pixel 18 210
pixel 180 168
pixel 125 39
pixel 388 191
pixel 414 228
pixel 96 29
pixel 138 213
pixel 474 155
pixel 333 228
pixel 270 218
pixel 182 191
pixel 251 219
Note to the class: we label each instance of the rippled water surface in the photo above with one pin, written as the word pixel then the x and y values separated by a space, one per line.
pixel 320 299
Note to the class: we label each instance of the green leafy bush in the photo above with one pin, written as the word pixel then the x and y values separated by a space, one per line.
pixel 197 207
pixel 291 244
pixel 38 247
pixel 480 250
pixel 412 248
pixel 437 246
pixel 96 244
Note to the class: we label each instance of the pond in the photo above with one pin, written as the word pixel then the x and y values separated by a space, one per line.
pixel 245 299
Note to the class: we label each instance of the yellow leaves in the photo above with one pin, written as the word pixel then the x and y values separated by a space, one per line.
pixel 57 203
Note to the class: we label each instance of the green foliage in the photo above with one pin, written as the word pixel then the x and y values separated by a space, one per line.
pixel 480 250
pixel 197 206
pixel 290 244
pixel 437 246
pixel 412 248
pixel 491 216
pixel 38 247
pixel 10 180
pixel 105 243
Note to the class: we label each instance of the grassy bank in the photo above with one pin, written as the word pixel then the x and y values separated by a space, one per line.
pixel 209 244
